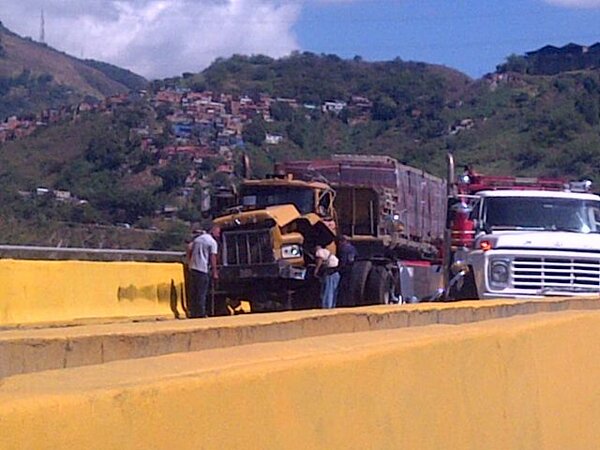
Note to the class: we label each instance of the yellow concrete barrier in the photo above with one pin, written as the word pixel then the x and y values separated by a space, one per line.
pixel 26 349
pixel 527 382
pixel 54 291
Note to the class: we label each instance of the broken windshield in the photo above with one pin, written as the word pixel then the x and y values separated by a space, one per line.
pixel 263 196
pixel 542 213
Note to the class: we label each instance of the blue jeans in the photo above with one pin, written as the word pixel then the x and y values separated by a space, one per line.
pixel 199 291
pixel 329 288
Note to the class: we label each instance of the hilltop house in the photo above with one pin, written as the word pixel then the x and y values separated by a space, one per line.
pixel 550 60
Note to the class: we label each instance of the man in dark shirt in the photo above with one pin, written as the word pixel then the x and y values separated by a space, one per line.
pixel 347 254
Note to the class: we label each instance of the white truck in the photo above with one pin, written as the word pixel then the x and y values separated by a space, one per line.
pixel 523 237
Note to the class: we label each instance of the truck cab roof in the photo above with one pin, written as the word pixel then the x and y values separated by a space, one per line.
pixel 540 194
pixel 288 182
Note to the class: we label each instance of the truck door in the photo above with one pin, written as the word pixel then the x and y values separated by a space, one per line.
pixel 327 211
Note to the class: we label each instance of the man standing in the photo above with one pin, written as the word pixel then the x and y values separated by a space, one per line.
pixel 202 258
pixel 347 254
pixel 327 270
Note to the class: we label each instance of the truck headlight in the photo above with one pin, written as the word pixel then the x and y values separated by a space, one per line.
pixel 291 251
pixel 499 273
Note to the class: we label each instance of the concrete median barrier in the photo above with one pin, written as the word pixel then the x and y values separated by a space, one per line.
pixel 30 350
pixel 60 291
pixel 526 382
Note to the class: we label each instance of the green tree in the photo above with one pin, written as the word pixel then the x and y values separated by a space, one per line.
pixel 173 238
pixel 590 109
pixel 173 175
pixel 296 132
pixel 106 152
pixel 162 111
pixel 256 131
pixel 282 112
pixel 385 109
pixel 85 214
pixel 515 63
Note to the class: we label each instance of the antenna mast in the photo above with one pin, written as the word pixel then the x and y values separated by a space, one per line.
pixel 42 28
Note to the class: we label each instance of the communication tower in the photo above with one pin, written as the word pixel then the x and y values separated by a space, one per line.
pixel 42 28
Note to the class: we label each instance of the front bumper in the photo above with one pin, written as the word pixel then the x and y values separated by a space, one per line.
pixel 277 270
pixel 497 296
pixel 539 274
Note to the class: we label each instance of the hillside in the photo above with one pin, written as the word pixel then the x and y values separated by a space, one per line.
pixel 533 125
pixel 509 122
pixel 34 77
pixel 312 78
pixel 406 102
pixel 151 161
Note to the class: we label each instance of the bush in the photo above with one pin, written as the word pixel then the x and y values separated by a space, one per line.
pixel 173 238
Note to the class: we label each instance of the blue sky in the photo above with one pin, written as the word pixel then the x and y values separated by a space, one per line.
pixel 161 38
pixel 470 35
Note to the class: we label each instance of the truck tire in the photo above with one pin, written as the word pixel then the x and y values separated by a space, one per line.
pixel 220 305
pixel 380 286
pixel 358 281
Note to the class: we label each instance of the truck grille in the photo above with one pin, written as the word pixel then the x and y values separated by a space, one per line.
pixel 247 247
pixel 560 273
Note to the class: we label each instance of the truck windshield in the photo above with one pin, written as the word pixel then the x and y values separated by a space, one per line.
pixel 263 196
pixel 544 213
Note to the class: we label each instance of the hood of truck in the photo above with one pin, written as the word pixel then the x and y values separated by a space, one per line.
pixel 555 240
pixel 281 214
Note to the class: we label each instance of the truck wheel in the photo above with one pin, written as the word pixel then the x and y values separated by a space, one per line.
pixel 358 281
pixel 380 285
pixel 220 305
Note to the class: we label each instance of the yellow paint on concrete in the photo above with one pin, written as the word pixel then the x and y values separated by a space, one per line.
pixel 26 349
pixel 51 291
pixel 526 382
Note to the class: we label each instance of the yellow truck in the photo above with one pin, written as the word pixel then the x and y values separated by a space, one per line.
pixel 394 214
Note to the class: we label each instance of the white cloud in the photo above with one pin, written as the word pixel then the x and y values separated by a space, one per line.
pixel 576 3
pixel 159 38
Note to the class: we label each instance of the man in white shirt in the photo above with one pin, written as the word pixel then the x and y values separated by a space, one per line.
pixel 327 270
pixel 202 259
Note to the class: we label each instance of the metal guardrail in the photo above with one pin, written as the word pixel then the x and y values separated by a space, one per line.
pixel 89 254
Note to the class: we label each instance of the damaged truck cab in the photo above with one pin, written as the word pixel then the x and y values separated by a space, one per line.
pixel 268 242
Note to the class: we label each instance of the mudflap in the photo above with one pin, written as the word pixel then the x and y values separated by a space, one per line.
pixel 419 280
pixel 357 284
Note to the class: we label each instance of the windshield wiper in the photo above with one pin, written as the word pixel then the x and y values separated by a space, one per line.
pixel 564 229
